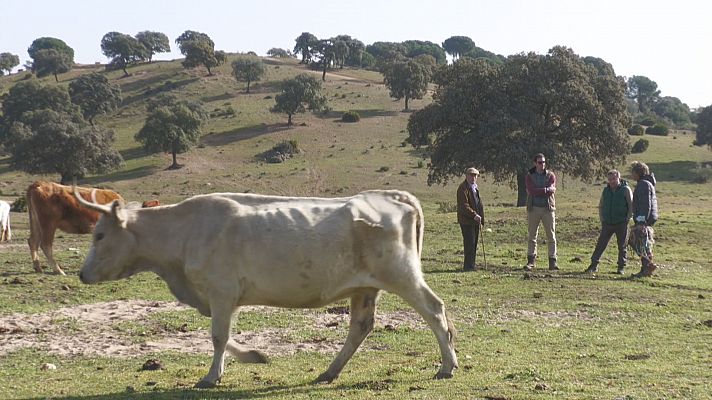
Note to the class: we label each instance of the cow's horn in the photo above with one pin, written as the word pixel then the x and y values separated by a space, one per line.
pixel 94 206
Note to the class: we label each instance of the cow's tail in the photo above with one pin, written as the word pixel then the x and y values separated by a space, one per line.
pixel 413 201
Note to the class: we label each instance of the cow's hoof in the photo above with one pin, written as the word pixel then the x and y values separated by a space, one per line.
pixel 204 384
pixel 443 375
pixel 324 378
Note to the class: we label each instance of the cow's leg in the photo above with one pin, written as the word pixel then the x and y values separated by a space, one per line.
pixel 46 242
pixel 432 309
pixel 220 328
pixel 363 313
pixel 241 353
pixel 34 242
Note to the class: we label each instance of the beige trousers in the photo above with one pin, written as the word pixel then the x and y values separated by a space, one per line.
pixel 548 218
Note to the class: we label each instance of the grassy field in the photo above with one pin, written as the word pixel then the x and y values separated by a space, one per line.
pixel 539 335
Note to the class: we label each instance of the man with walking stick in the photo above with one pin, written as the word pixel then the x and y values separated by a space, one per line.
pixel 470 216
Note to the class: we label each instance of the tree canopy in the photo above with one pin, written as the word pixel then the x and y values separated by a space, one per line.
pixel 172 126
pixel 298 94
pixel 50 56
pixel 95 95
pixel 305 45
pixel 124 50
pixel 278 52
pixel 496 117
pixel 45 133
pixel 53 142
pixel 8 61
pixel 407 79
pixel 199 49
pixel 457 46
pixel 153 42
pixel 248 69
pixel 704 127
pixel 644 91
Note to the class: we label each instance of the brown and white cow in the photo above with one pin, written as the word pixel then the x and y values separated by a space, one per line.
pixel 53 206
pixel 150 203
pixel 5 231
pixel 221 251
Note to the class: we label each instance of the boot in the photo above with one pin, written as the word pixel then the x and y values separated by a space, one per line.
pixel 646 271
pixel 530 263
pixel 592 269
pixel 552 264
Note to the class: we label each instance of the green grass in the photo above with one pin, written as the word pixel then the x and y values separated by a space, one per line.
pixel 540 336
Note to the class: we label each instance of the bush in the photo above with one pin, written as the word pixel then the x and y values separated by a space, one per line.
pixel 640 146
pixel 647 122
pixel 658 130
pixel 636 130
pixel 350 116
pixel 19 205
pixel 702 174
pixel 281 152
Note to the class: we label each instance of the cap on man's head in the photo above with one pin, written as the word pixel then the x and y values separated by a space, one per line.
pixel 472 171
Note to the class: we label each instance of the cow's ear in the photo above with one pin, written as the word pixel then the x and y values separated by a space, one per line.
pixel 118 213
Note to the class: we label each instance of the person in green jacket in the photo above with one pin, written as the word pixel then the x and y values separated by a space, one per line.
pixel 615 210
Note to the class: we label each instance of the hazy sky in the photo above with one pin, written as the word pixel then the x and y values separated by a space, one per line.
pixel 667 41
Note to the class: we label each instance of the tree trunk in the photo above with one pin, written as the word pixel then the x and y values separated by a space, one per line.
pixel 521 189
pixel 406 103
pixel 175 161
pixel 126 73
pixel 65 180
pixel 210 73
pixel 323 75
pixel 289 120
pixel 248 87
pixel 55 78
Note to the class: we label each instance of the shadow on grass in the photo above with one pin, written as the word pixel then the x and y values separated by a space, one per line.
pixel 133 153
pixel 681 171
pixel 309 389
pixel 362 113
pixel 148 91
pixel 244 133
pixel 120 175
pixel 224 96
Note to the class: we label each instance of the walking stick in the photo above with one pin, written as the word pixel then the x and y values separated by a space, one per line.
pixel 482 239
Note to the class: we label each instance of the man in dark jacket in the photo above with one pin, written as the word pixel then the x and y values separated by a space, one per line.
pixel 614 210
pixel 645 213
pixel 470 216
pixel 541 208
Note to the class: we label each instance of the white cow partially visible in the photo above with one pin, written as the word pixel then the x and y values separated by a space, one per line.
pixel 5 231
pixel 221 251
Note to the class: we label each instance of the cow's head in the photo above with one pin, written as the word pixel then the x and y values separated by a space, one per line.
pixel 113 246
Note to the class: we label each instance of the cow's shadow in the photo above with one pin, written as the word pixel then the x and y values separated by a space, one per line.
pixel 308 388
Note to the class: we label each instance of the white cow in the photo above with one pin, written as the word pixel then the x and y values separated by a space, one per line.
pixel 5 231
pixel 218 252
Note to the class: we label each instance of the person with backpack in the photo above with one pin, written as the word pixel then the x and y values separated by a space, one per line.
pixel 614 210
pixel 645 214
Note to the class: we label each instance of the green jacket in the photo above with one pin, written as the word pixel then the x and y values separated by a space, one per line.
pixel 616 206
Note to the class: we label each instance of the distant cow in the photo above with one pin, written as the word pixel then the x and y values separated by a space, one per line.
pixel 150 203
pixel 52 206
pixel 276 251
pixel 5 231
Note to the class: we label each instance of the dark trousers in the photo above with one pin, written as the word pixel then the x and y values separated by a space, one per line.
pixel 470 236
pixel 621 232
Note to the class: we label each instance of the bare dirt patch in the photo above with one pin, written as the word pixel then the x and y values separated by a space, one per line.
pixel 90 330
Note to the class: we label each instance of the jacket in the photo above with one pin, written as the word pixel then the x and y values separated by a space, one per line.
pixel 469 205
pixel 645 202
pixel 616 206
pixel 546 191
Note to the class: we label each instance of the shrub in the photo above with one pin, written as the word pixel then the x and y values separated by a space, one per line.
pixel 19 205
pixel 648 122
pixel 636 130
pixel 384 169
pixel 282 151
pixel 640 146
pixel 702 174
pixel 446 207
pixel 658 130
pixel 351 116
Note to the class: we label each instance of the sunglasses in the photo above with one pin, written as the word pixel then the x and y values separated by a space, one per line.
pixel 541 162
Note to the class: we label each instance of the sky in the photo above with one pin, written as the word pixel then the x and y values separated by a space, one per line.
pixel 667 41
